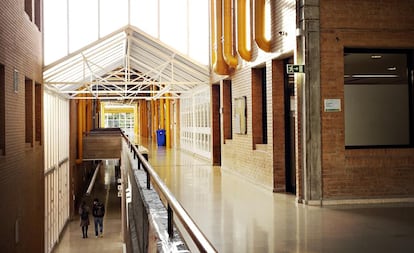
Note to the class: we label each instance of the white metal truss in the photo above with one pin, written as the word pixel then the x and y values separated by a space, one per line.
pixel 125 65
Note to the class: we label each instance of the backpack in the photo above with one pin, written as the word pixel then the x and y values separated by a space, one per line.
pixel 99 210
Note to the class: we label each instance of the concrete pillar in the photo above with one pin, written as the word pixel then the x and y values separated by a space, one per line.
pixel 309 97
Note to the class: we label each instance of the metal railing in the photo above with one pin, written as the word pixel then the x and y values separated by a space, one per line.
pixel 174 208
pixel 93 179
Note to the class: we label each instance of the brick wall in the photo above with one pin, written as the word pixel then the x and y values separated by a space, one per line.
pixel 263 164
pixel 361 173
pixel 278 116
pixel 21 168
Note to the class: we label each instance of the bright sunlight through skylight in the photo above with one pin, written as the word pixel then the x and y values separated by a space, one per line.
pixel 70 25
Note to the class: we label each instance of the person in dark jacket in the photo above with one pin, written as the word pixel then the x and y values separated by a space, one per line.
pixel 98 212
pixel 84 219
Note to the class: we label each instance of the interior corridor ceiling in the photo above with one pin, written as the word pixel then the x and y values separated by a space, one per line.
pixel 125 65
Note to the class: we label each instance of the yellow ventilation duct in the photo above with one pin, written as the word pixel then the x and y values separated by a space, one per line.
pixel 242 34
pixel 230 59
pixel 259 25
pixel 81 120
pixel 213 32
pixel 219 65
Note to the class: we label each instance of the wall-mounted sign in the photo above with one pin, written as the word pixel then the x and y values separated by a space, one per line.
pixel 332 105
pixel 291 68
pixel 240 115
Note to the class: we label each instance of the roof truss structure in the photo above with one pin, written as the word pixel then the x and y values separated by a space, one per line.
pixel 125 65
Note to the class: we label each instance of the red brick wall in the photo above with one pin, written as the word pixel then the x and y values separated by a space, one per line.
pixel 278 116
pixel 257 108
pixel 361 173
pixel 21 168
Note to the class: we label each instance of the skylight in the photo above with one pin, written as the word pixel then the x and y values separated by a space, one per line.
pixel 72 24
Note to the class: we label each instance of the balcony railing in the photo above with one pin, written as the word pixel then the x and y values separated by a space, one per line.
pixel 174 208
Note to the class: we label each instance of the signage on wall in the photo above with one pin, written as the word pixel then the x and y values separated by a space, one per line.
pixel 292 68
pixel 240 115
pixel 332 105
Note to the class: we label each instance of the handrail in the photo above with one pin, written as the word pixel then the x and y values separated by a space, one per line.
pixel 173 206
pixel 88 192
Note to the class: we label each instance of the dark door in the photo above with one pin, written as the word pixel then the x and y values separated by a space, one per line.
pixel 290 110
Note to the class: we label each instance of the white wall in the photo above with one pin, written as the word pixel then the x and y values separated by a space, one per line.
pixel 56 134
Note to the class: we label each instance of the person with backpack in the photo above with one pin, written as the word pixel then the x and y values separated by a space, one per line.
pixel 98 212
pixel 84 219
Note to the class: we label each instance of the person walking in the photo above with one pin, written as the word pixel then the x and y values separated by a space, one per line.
pixel 84 219
pixel 98 212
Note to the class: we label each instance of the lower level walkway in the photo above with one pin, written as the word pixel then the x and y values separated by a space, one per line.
pixel 237 216
pixel 111 242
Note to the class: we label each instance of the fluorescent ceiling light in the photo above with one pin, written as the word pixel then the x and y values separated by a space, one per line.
pixel 374 76
pixel 376 56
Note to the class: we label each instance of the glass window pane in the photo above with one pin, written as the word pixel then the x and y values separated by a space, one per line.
pixel 113 15
pixel 83 23
pixel 55 33
pixel 199 31
pixel 377 101
pixel 144 15
pixel 173 28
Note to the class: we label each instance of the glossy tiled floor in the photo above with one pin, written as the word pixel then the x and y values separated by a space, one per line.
pixel 238 216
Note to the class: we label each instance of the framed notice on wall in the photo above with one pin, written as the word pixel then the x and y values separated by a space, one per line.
pixel 240 115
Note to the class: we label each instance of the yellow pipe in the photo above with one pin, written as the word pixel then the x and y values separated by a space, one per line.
pixel 151 134
pixel 80 132
pixel 259 25
pixel 213 32
pixel 89 116
pixel 167 124
pixel 161 113
pixel 103 111
pixel 219 66
pixel 83 116
pixel 156 124
pixel 136 127
pixel 230 59
pixel 244 53
pixel 97 112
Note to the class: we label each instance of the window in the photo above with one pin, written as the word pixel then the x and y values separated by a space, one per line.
pixel 2 111
pixel 259 111
pixel 377 98
pixel 29 110
pixel 123 120
pixel 28 7
pixel 37 17
pixel 227 110
pixel 38 112
pixel 34 16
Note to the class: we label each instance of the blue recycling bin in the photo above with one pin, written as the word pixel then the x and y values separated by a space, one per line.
pixel 161 137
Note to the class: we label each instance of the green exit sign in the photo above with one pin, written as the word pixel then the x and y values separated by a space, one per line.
pixel 291 68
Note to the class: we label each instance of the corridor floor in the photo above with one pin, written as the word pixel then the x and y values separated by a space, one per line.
pixel 238 216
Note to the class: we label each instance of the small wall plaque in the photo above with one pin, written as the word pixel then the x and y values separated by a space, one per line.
pixel 332 105
pixel 16 80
